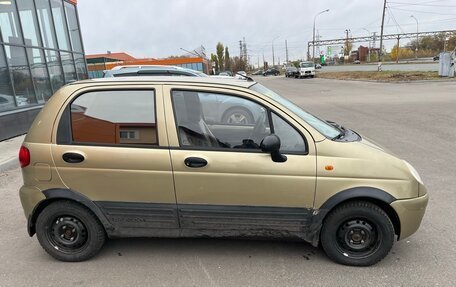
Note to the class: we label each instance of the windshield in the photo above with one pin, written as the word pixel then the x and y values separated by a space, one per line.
pixel 307 65
pixel 323 127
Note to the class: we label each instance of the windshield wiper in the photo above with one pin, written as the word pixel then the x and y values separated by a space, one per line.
pixel 341 129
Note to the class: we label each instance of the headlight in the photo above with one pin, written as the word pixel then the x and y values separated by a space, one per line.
pixel 414 172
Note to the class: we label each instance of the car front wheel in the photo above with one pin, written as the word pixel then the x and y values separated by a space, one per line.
pixel 69 231
pixel 357 233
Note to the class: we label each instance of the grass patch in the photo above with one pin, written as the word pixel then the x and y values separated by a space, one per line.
pixel 383 76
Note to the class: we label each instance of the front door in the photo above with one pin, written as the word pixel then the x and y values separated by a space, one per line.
pixel 112 148
pixel 223 182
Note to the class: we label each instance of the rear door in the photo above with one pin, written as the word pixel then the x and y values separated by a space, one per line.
pixel 111 146
pixel 224 184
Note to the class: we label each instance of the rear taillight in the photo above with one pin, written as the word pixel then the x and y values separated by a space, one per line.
pixel 24 156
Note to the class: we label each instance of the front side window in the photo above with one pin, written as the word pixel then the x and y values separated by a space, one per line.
pixel 218 121
pixel 114 117
pixel 290 139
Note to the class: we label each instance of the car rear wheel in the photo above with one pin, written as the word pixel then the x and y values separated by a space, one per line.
pixel 69 231
pixel 357 233
pixel 238 116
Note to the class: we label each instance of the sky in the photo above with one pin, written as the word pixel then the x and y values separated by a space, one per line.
pixel 159 28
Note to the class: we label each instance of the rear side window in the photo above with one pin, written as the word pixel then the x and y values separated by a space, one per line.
pixel 114 117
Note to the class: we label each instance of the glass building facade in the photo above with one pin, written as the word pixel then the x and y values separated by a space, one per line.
pixel 40 50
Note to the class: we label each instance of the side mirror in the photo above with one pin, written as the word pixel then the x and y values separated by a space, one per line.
pixel 271 144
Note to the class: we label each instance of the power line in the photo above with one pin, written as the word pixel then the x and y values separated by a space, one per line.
pixel 394 19
pixel 417 11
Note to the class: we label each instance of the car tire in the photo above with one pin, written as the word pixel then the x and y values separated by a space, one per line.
pixel 69 231
pixel 237 115
pixel 357 233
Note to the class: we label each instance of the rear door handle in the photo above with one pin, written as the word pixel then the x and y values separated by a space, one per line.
pixel 72 157
pixel 195 162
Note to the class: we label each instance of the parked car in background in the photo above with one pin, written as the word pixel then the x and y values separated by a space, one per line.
pixel 225 74
pixel 291 71
pixel 258 72
pixel 356 62
pixel 306 69
pixel 106 159
pixel 317 66
pixel 151 70
pixel 241 75
pixel 7 101
pixel 272 71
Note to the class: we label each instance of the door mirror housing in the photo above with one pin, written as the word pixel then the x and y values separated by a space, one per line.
pixel 271 144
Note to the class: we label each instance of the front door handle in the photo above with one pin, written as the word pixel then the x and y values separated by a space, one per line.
pixel 195 162
pixel 72 157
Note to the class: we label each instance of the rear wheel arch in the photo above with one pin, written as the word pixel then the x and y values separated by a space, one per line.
pixel 53 195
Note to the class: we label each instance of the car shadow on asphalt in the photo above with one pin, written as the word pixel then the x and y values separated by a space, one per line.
pixel 172 247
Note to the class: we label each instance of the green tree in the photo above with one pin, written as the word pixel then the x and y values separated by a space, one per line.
pixel 220 57
pixel 227 60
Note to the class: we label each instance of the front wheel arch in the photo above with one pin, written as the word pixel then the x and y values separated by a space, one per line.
pixel 383 205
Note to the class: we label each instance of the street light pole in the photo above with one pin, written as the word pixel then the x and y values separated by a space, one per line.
pixel 273 58
pixel 368 46
pixel 416 47
pixel 313 38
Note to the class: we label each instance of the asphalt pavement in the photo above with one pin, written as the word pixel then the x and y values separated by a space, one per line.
pixel 414 120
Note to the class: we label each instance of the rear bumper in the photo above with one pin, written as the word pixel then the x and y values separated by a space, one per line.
pixel 410 212
pixel 30 197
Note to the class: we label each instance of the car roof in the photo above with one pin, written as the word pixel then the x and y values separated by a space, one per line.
pixel 170 79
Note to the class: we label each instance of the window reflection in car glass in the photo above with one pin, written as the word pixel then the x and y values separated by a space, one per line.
pixel 290 139
pixel 115 117
pixel 219 121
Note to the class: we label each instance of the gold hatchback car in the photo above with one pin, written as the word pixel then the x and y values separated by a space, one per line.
pixel 157 157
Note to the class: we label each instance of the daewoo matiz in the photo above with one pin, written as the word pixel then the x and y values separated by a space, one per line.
pixel 136 157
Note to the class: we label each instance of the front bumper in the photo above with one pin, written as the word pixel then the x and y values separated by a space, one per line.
pixel 410 212
pixel 307 73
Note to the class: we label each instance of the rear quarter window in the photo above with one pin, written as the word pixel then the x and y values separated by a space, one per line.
pixel 114 118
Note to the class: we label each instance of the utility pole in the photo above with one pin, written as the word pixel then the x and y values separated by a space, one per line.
pixel 374 39
pixel 286 50
pixel 240 49
pixel 380 56
pixel 398 49
pixel 416 46
pixel 346 42
pixel 263 59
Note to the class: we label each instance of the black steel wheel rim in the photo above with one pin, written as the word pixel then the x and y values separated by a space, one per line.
pixel 358 238
pixel 67 234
